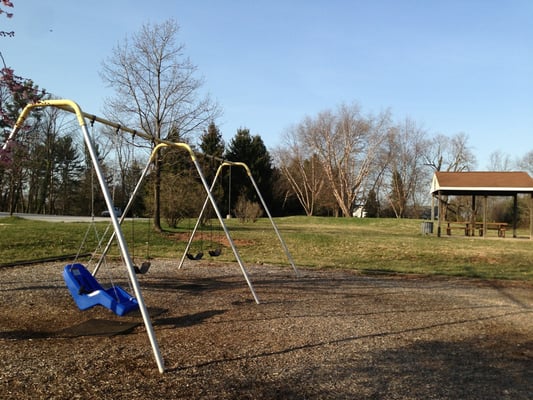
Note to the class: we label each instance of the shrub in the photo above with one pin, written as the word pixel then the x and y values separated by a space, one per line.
pixel 247 210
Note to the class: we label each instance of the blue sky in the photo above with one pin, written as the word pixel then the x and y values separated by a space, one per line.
pixel 452 66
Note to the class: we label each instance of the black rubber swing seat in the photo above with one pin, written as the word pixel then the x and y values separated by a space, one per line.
pixel 216 252
pixel 196 257
pixel 145 266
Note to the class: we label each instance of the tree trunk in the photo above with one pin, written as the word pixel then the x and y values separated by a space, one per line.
pixel 157 194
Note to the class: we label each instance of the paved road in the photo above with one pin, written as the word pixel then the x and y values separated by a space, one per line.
pixel 56 218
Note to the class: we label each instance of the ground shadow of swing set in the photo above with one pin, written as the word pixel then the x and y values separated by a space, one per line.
pixel 86 291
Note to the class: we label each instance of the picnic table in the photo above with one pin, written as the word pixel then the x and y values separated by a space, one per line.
pixel 470 228
pixel 501 227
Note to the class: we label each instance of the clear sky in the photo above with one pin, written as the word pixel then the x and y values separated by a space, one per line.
pixel 452 66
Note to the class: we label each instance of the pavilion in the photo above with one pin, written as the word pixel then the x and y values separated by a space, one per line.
pixel 482 184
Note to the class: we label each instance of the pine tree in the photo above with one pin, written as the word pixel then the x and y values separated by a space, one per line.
pixel 211 141
pixel 372 204
pixel 252 151
pixel 212 146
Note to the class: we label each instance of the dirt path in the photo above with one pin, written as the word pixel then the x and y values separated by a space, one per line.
pixel 327 335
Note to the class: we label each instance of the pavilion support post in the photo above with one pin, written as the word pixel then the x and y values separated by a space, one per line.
pixel 473 217
pixel 531 216
pixel 439 220
pixel 432 208
pixel 515 213
pixel 485 206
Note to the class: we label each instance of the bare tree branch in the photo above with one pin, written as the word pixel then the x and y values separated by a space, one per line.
pixel 156 89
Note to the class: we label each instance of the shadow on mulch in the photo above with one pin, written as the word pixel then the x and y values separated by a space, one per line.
pixel 98 327
pixel 112 327
pixel 425 370
pixel 188 320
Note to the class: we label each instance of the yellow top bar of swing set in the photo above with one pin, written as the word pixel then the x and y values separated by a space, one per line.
pixel 67 105
pixel 73 107
pixel 234 163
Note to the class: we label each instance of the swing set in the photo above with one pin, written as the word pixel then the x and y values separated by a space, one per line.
pixel 217 251
pixel 86 291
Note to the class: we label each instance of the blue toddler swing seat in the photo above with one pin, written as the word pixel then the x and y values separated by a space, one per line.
pixel 87 292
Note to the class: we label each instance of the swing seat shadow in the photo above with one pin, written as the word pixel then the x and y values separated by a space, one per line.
pixel 87 292
pixel 107 327
pixel 187 320
pixel 99 327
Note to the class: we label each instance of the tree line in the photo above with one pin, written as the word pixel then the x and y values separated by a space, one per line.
pixel 331 163
pixel 341 159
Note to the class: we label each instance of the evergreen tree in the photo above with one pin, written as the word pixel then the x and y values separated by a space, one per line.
pixel 250 150
pixel 68 167
pixel 372 204
pixel 211 141
pixel 213 147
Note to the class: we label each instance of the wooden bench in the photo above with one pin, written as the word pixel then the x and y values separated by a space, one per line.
pixel 501 227
pixel 456 225
pixel 469 229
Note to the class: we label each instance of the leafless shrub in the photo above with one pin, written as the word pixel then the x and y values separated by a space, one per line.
pixel 247 210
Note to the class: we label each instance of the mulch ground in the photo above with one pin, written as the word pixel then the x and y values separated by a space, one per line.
pixel 328 334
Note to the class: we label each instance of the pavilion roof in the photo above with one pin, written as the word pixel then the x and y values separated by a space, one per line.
pixel 484 183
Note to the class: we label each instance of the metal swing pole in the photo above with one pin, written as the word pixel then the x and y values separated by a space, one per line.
pixel 217 211
pixel 128 206
pixel 71 106
pixel 123 246
pixel 189 243
pixel 283 245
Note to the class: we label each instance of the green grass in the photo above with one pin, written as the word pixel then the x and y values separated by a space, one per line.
pixel 368 245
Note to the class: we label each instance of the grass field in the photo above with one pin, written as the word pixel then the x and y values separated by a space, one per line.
pixel 368 245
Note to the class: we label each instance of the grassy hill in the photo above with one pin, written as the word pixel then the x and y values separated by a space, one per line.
pixel 368 245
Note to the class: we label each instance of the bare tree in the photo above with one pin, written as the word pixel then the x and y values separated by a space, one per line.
pixel 526 162
pixel 450 153
pixel 499 161
pixel 346 144
pixel 407 143
pixel 156 89
pixel 302 170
